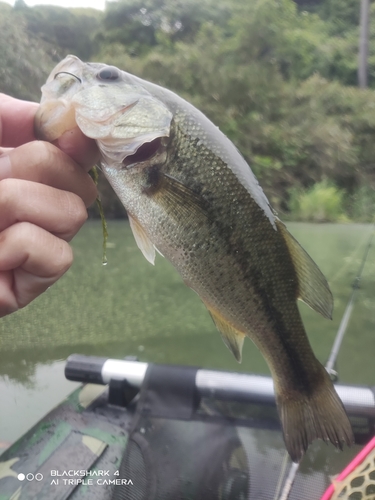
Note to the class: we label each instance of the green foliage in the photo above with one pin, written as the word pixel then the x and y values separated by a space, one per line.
pixel 70 30
pixel 25 61
pixel 339 15
pixel 277 77
pixel 34 39
pixel 323 202
pixel 259 76
pixel 361 204
pixel 140 25
pixel 20 4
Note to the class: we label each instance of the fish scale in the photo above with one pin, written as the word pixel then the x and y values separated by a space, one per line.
pixel 190 194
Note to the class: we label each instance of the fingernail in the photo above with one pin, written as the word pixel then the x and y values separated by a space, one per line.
pixel 5 167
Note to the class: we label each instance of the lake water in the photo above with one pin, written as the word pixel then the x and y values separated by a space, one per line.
pixel 130 307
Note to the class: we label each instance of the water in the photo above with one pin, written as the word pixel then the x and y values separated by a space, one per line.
pixel 130 307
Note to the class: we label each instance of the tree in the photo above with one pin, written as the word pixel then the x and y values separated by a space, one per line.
pixel 363 44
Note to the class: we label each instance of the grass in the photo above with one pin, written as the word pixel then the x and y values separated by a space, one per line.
pixel 132 307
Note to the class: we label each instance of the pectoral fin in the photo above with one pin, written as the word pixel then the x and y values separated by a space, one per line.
pixel 232 338
pixel 179 200
pixel 312 286
pixel 143 241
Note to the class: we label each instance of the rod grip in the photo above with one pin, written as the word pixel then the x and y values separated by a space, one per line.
pixel 87 369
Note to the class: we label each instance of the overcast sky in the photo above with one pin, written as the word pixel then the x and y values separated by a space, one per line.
pixel 96 4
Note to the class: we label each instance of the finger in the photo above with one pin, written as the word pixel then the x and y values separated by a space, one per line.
pixel 5 151
pixel 37 259
pixel 17 127
pixel 44 163
pixel 16 121
pixel 83 150
pixel 59 212
pixel 8 302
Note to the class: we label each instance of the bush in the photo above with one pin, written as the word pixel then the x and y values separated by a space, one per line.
pixel 323 202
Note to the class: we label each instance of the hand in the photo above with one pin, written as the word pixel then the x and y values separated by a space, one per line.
pixel 44 192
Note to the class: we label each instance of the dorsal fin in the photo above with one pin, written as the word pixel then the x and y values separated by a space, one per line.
pixel 143 241
pixel 313 288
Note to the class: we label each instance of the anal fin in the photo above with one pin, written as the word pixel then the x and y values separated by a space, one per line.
pixel 232 337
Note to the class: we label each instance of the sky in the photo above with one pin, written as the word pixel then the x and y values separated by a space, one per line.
pixel 96 4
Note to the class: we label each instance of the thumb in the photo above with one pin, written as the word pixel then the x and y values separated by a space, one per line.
pixel 80 148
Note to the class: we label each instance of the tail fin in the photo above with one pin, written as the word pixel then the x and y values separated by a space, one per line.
pixel 308 417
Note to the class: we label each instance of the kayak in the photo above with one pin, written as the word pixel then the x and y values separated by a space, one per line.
pixel 143 431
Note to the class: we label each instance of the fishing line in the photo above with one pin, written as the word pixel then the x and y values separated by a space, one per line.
pixel 67 73
pixel 332 358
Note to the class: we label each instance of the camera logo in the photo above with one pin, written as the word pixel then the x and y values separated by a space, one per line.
pixel 30 477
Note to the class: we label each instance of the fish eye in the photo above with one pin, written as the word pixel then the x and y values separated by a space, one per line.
pixel 108 74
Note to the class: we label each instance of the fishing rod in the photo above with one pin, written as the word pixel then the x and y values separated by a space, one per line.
pixel 331 363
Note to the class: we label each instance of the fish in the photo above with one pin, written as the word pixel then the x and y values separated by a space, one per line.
pixel 191 196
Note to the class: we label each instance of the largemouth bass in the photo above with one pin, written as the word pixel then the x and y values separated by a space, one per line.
pixel 191 195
